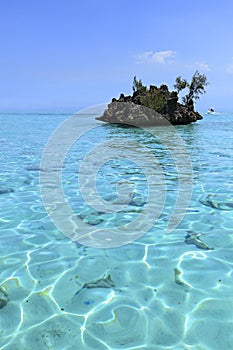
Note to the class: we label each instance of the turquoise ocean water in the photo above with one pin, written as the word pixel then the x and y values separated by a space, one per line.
pixel 165 290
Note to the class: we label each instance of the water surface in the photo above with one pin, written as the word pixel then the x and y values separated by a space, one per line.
pixel 162 291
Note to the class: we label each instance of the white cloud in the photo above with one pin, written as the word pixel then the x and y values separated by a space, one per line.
pixel 230 67
pixel 161 57
pixel 200 65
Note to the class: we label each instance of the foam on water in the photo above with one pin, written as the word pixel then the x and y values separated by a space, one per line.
pixel 163 291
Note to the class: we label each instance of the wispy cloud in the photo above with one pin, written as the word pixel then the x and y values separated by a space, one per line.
pixel 161 57
pixel 230 67
pixel 200 65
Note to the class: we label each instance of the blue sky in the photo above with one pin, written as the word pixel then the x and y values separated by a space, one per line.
pixel 66 55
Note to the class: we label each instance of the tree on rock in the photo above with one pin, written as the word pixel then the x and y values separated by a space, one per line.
pixel 137 85
pixel 195 88
pixel 180 84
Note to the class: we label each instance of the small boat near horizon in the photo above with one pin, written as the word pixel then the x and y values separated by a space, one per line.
pixel 211 111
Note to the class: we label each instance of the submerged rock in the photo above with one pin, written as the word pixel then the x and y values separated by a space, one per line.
pixel 178 277
pixel 134 198
pixel 3 297
pixel 218 201
pixel 92 220
pixel 90 217
pixel 34 168
pixel 193 238
pixel 138 199
pixel 6 190
pixel 103 282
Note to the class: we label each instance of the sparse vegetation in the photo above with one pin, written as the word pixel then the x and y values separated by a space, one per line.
pixel 180 84
pixel 152 98
pixel 137 85
pixel 155 100
pixel 195 88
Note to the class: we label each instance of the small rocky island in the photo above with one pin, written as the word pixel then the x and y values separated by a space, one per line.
pixel 157 105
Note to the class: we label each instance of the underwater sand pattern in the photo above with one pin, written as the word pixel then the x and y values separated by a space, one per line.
pixel 160 292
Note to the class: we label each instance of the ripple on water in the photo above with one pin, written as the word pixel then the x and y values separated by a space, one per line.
pixel 158 293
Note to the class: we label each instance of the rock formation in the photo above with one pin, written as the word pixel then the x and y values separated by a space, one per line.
pixel 148 107
pixel 3 297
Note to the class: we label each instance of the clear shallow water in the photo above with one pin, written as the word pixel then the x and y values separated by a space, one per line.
pixel 163 291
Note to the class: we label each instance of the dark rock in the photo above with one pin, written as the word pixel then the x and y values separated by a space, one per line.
pixel 178 277
pixel 193 238
pixel 34 168
pixel 104 282
pixel 172 104
pixel 122 98
pixel 39 169
pixel 134 110
pixel 90 217
pixel 6 190
pixel 218 201
pixel 138 200
pixel 3 297
pixel 131 114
